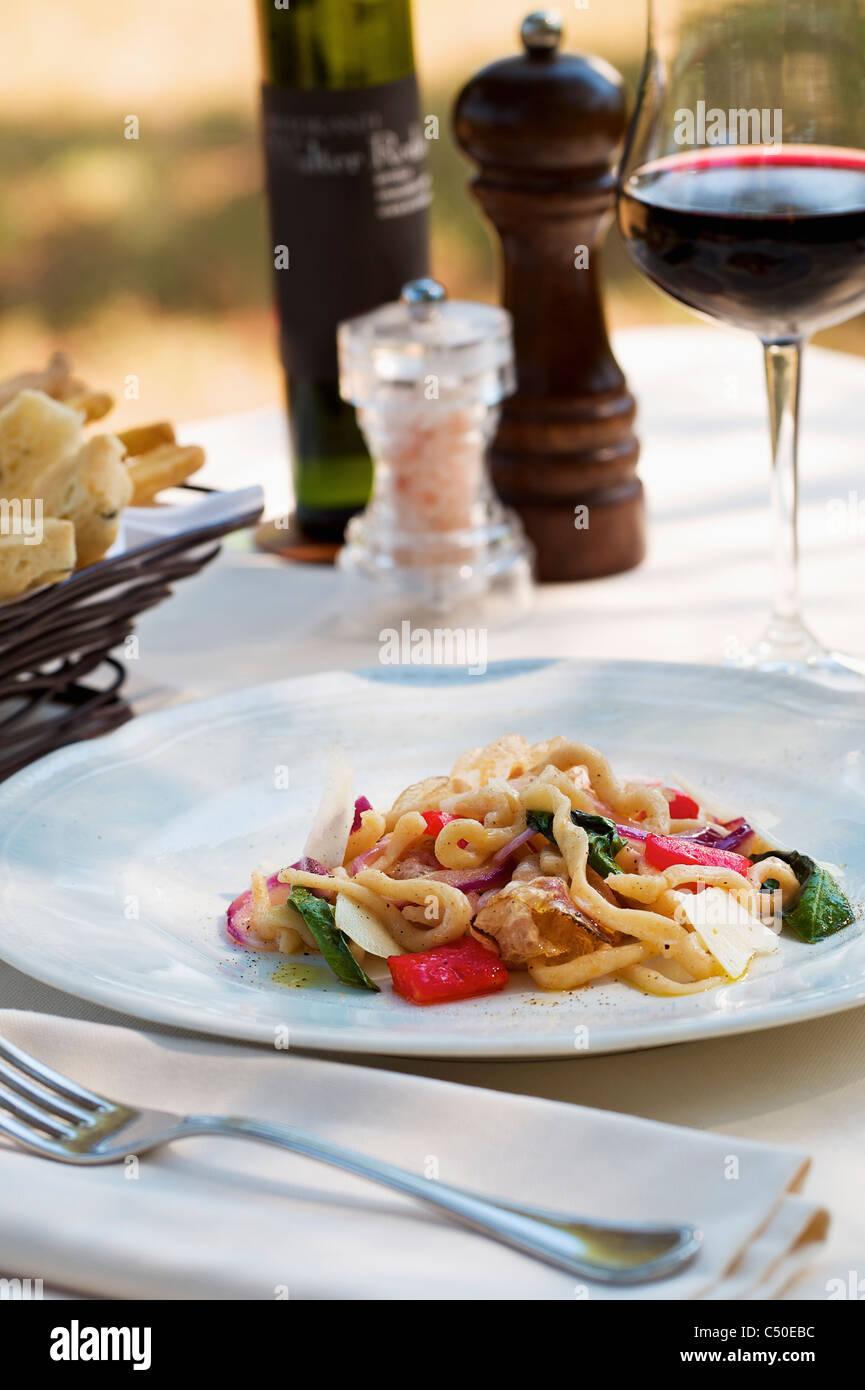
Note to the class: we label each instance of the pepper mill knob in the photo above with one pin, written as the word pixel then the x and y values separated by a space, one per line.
pixel 423 297
pixel 541 31
pixel 545 130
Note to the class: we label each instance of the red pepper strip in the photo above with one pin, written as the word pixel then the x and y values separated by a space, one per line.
pixel 436 821
pixel 664 850
pixel 682 807
pixel 459 971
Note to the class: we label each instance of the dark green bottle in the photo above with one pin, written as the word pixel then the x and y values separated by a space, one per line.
pixel 349 196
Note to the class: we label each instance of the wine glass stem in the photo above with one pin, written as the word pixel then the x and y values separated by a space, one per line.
pixel 787 633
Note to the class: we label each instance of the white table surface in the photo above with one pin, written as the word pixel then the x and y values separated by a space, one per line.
pixel 703 589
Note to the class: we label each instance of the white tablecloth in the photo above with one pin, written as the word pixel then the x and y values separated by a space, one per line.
pixel 704 589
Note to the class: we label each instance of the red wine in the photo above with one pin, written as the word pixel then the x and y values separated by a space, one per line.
pixel 768 238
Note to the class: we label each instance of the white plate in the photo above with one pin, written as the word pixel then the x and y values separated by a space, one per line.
pixel 119 856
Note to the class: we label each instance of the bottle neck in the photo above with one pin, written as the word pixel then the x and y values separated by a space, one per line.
pixel 336 44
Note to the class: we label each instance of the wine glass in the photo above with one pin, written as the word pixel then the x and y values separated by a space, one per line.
pixel 742 194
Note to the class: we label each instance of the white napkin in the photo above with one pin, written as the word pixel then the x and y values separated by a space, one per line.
pixel 141 524
pixel 221 1219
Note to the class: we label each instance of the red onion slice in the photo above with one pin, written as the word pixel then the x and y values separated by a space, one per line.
pixel 306 866
pixel 737 831
pixel 507 850
pixel 473 880
pixel 363 861
pixel 239 916
pixel 311 866
pixel 630 832
pixel 240 913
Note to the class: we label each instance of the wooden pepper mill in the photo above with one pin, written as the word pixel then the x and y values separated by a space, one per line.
pixel 545 129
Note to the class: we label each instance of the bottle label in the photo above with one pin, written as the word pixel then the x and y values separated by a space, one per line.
pixel 349 191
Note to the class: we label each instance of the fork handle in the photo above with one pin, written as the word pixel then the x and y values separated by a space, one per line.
pixel 529 1233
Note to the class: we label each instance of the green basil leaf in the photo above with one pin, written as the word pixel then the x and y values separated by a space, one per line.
pixel 822 909
pixel 542 822
pixel 605 842
pixel 319 916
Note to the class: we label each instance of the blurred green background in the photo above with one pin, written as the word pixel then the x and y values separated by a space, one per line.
pixel 149 257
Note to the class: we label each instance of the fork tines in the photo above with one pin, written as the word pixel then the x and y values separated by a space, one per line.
pixel 34 1093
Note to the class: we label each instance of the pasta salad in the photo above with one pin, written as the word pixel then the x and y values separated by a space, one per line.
pixel 536 858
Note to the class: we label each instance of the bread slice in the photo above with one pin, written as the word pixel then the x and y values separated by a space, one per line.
pixel 35 433
pixel 56 380
pixel 94 405
pixel 140 438
pixel 90 490
pixel 164 466
pixel 25 564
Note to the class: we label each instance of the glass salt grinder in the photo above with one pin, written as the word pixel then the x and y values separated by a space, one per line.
pixel 427 375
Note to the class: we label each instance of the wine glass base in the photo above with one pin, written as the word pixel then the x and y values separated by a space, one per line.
pixel 803 658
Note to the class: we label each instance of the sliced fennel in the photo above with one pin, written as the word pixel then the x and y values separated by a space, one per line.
pixel 727 930
pixel 363 928
pixel 331 826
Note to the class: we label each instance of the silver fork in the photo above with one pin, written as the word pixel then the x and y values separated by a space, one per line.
pixel 55 1117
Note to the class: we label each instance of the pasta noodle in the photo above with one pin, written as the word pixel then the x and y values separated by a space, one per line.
pixel 410 828
pixel 465 844
pixel 778 870
pixel 452 909
pixel 372 827
pixel 496 804
pixel 573 974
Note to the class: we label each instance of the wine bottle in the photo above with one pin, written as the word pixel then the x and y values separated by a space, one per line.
pixel 349 193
